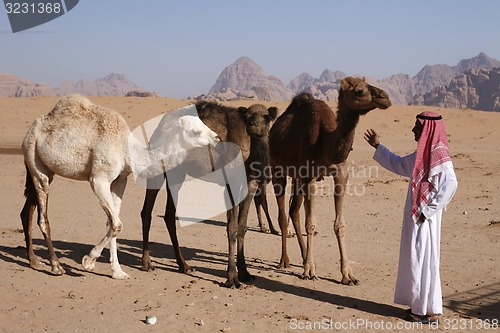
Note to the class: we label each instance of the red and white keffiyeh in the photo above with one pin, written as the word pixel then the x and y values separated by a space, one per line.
pixel 432 153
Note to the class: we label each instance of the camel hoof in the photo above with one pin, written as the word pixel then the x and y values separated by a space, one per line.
pixel 120 275
pixel 36 263
pixel 264 229
pixel 309 272
pixel 232 284
pixel 148 268
pixel 350 282
pixel 57 269
pixel 88 263
pixel 290 234
pixel 246 277
pixel 187 270
pixel 283 265
pixel 275 232
pixel 355 282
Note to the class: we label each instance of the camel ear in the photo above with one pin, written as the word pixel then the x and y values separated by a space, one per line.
pixel 203 109
pixel 243 112
pixel 181 121
pixel 345 84
pixel 273 112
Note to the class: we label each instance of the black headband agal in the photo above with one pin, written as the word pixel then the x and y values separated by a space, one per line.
pixel 419 116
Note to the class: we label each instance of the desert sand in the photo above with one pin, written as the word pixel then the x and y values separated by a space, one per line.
pixel 278 300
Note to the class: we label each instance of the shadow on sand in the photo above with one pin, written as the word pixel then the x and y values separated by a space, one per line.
pixel 481 302
pixel 130 256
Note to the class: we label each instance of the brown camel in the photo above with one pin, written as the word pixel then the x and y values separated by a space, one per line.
pixel 307 142
pixel 249 129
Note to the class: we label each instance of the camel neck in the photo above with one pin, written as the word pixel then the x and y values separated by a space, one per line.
pixel 340 143
pixel 258 160
pixel 148 161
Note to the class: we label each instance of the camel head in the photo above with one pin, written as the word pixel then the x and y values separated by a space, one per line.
pixel 195 133
pixel 258 119
pixel 358 96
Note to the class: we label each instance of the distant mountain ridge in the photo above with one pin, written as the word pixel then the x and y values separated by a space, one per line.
pixel 477 89
pixel 245 79
pixel 113 84
pixel 440 85
pixel 13 86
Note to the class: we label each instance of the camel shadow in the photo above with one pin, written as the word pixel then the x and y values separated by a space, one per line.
pixel 363 305
pixel 482 302
pixel 129 255
pixel 339 301
pixel 17 255
pixel 192 220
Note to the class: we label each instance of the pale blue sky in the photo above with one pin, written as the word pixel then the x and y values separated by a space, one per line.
pixel 179 48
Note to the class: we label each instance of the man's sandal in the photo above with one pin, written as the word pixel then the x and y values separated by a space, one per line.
pixel 421 319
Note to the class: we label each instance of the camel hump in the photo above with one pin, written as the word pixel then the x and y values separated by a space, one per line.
pixel 303 97
pixel 304 101
pixel 79 109
pixel 70 101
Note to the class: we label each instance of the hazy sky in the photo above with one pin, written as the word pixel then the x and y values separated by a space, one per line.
pixel 179 48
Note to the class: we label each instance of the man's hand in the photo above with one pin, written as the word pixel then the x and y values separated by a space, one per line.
pixel 372 138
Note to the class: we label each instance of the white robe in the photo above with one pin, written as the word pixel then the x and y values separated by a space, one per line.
pixel 418 284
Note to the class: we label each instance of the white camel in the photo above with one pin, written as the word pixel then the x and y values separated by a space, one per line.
pixel 83 141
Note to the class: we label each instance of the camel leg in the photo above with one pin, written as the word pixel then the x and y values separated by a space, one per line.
pixel 169 218
pixel 232 235
pixel 27 212
pixel 265 207
pixel 117 190
pixel 41 180
pixel 258 201
pixel 153 187
pixel 102 189
pixel 243 274
pixel 309 268
pixel 279 184
pixel 340 178
pixel 295 204
pixel 146 217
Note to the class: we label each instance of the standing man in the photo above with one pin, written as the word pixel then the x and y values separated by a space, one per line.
pixel 432 186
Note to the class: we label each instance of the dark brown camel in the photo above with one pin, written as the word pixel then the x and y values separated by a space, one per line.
pixel 307 142
pixel 249 129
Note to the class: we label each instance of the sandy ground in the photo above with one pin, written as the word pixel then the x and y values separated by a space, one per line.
pixel 80 301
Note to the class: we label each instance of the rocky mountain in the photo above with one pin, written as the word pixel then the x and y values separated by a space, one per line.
pixel 245 78
pixel 401 87
pixel 325 87
pixel 14 86
pixel 474 89
pixel 111 85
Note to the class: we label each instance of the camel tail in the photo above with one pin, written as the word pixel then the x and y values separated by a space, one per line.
pixel 29 187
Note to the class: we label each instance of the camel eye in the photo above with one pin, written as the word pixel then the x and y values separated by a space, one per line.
pixel 358 92
pixel 196 133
